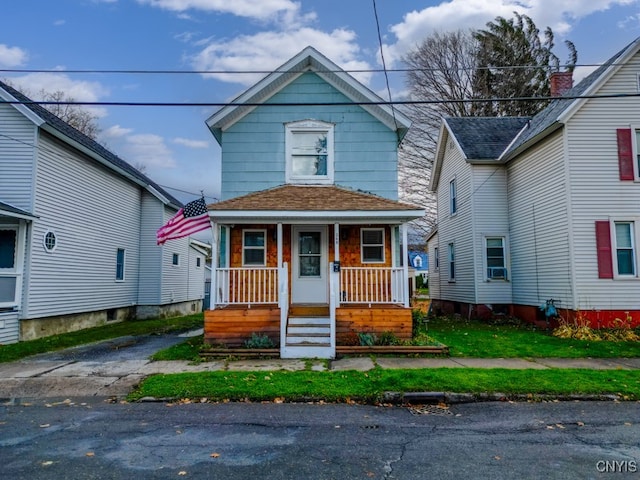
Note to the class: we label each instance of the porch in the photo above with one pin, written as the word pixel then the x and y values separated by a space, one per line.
pixel 257 300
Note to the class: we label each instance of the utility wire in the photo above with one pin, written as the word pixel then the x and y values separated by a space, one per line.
pixel 384 67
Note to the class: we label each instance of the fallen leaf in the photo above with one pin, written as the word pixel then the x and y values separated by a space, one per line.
pixel 497 457
pixel 47 463
pixel 44 425
pixel 581 424
pixel 627 424
pixel 182 473
pixel 550 427
pixel 559 425
pixel 215 455
pixel 90 454
pixel 371 474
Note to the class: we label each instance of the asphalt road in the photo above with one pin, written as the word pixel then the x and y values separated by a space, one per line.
pixel 99 440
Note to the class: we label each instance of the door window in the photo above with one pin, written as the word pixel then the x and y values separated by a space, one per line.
pixel 309 254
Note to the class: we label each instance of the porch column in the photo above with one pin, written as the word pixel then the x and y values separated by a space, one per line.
pixel 279 235
pixel 336 242
pixel 214 265
pixel 405 260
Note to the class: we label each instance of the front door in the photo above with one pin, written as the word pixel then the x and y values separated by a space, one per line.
pixel 309 281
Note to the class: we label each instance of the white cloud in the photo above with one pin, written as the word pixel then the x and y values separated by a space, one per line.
pixel 461 14
pixel 59 23
pixel 261 10
pixel 191 143
pixel 149 150
pixel 116 131
pixel 33 84
pixel 268 50
pixel 12 56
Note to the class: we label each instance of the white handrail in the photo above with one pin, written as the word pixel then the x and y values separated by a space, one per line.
pixel 246 286
pixel 372 285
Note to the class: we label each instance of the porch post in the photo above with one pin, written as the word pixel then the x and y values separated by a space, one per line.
pixel 279 235
pixel 214 265
pixel 405 261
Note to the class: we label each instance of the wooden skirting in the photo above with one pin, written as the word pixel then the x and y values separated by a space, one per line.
pixel 233 326
pixel 351 320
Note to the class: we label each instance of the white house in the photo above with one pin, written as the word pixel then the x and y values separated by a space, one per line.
pixel 78 232
pixel 547 208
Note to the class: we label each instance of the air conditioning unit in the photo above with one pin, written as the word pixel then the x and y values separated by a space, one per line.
pixel 498 273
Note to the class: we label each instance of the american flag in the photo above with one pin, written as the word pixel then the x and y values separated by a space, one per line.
pixel 191 218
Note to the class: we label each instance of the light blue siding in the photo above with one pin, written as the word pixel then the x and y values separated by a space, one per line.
pixel 254 147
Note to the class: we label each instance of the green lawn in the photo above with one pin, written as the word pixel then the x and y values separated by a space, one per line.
pixel 369 386
pixel 473 338
pixel 16 351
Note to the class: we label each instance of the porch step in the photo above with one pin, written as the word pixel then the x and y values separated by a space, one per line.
pixel 309 310
pixel 307 351
pixel 308 331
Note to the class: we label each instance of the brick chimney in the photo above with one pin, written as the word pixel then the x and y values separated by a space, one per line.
pixel 560 83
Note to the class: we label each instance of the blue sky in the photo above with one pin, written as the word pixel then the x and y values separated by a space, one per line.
pixel 230 35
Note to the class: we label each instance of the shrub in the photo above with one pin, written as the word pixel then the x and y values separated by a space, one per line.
pixel 259 341
pixel 367 339
pixel 388 338
pixel 350 339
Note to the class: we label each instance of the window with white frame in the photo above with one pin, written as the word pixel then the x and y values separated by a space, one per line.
pixel 175 259
pixel 453 197
pixel 625 248
pixel 120 258
pixel 452 262
pixel 309 150
pixel 8 266
pixel 254 248
pixel 495 255
pixel 49 241
pixel 372 245
pixel 636 156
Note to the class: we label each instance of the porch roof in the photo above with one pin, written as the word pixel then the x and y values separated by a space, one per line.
pixel 7 210
pixel 330 202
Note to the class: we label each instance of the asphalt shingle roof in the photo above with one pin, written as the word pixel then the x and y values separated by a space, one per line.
pixel 485 138
pixel 311 198
pixel 87 142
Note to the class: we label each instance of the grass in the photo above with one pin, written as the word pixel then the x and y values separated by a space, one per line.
pixel 473 338
pixel 16 351
pixel 334 386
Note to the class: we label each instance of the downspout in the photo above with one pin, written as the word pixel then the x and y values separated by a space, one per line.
pixel 214 265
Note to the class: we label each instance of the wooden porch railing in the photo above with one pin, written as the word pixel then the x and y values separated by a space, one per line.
pixel 246 286
pixel 372 285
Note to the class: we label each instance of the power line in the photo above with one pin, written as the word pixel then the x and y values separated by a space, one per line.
pixel 384 67
pixel 315 104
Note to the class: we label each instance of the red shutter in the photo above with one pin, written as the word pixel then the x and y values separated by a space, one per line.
pixel 603 245
pixel 625 153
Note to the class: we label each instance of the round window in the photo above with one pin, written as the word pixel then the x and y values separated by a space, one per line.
pixel 49 241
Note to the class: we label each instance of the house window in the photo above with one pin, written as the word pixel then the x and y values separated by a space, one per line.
pixel 309 150
pixel 495 256
pixel 254 243
pixel 625 248
pixel 372 245
pixel 198 260
pixel 636 166
pixel 8 260
pixel 453 197
pixel 49 241
pixel 452 262
pixel 436 261
pixel 175 259
pixel 120 265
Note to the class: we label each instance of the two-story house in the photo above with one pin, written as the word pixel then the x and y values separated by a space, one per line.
pixel 309 236
pixel 544 209
pixel 78 232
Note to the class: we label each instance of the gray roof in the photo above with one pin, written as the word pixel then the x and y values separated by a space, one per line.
pixel 6 208
pixel 485 138
pixel 87 142
pixel 548 117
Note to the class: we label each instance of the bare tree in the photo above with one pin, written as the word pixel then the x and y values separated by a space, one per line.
pixel 79 118
pixel 440 70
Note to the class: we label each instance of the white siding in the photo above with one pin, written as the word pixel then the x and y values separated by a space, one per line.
pixel 491 218
pixel 434 273
pixel 17 147
pixel 196 275
pixel 539 237
pixel 93 212
pixel 9 329
pixel 175 279
pixel 596 190
pixel 456 229
pixel 150 280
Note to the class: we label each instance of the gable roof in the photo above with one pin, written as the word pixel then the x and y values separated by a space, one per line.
pixel 484 138
pixel 61 129
pixel 296 201
pixel 308 60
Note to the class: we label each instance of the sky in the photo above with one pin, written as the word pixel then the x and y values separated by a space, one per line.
pixel 42 43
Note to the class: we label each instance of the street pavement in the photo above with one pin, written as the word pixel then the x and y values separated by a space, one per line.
pixel 113 368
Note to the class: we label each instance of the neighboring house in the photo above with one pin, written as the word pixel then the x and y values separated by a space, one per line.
pixel 78 232
pixel 309 236
pixel 543 209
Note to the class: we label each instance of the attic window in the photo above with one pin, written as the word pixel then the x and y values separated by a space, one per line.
pixel 309 150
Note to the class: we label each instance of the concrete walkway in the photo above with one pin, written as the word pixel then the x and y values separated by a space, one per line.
pixel 54 375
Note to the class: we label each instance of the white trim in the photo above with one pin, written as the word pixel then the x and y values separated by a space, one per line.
pixel 18 265
pixel 309 126
pixel 635 234
pixel 263 248
pixel 44 241
pixel 175 255
pixel 485 258
pixel 124 264
pixel 635 131
pixel 453 187
pixel 376 229
pixel 330 216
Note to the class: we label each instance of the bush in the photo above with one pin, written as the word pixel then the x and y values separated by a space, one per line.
pixel 388 338
pixel 259 341
pixel 367 339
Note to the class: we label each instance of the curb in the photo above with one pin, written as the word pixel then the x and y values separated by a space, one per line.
pixel 451 398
